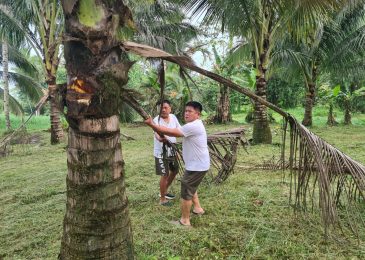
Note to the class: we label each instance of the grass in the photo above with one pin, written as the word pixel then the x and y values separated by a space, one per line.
pixel 247 217
pixel 35 123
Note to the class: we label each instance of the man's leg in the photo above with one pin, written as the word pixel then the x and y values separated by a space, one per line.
pixel 170 179
pixel 185 211
pixel 163 188
pixel 197 208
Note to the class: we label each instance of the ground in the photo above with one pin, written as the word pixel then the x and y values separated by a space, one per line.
pixel 247 217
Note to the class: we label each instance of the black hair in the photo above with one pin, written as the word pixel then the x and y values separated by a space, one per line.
pixel 165 101
pixel 195 104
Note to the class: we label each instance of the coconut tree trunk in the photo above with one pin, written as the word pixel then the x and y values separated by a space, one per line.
pixel 309 103
pixel 347 115
pixel 223 115
pixel 310 98
pixel 5 61
pixel 97 223
pixel 331 121
pixel 261 127
pixel 56 124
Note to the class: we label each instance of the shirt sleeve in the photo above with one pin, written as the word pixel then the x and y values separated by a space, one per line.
pixel 189 129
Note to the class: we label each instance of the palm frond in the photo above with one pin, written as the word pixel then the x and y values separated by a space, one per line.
pixel 26 84
pixel 15 107
pixel 14 19
pixel 162 25
pixel 337 179
pixel 243 51
pixel 19 59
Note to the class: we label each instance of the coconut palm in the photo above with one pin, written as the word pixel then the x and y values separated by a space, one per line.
pixel 96 223
pixel 23 75
pixel 162 24
pixel 334 47
pixel 261 24
pixel 40 24
pixel 5 63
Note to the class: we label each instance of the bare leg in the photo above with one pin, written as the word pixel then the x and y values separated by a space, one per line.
pixel 170 179
pixel 185 211
pixel 197 208
pixel 163 188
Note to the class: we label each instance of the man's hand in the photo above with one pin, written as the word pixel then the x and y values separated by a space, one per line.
pixel 160 138
pixel 148 121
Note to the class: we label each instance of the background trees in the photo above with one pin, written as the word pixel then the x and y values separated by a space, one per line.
pixel 40 25
pixel 261 25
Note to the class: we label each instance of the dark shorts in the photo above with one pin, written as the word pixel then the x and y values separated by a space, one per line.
pixel 163 167
pixel 190 182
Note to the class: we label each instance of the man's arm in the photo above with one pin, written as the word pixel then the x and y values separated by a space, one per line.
pixel 175 132
pixel 160 138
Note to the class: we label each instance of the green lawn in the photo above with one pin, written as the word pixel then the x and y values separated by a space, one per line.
pixel 235 226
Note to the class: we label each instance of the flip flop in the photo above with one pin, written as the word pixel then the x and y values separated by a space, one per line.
pixel 180 224
pixel 198 213
pixel 166 204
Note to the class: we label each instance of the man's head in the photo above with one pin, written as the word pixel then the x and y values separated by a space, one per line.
pixel 193 110
pixel 166 108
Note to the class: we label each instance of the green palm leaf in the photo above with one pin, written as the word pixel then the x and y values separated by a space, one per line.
pixel 15 107
pixel 26 84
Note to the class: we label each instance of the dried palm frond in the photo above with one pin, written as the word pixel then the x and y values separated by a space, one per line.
pixel 6 140
pixel 337 179
pixel 319 169
pixel 223 147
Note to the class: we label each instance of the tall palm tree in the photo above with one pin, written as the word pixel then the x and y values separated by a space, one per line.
pixel 23 75
pixel 222 113
pixel 261 24
pixel 96 223
pixel 40 24
pixel 5 63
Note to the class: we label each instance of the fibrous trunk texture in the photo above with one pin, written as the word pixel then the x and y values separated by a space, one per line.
pixel 331 121
pixel 261 128
pixel 97 223
pixel 223 110
pixel 5 64
pixel 56 124
pixel 309 103
pixel 347 115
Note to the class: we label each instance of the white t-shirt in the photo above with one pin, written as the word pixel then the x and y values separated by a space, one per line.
pixel 194 146
pixel 157 145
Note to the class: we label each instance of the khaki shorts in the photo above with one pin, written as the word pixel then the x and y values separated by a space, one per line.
pixel 164 166
pixel 190 182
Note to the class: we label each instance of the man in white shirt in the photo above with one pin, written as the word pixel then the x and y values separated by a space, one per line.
pixel 166 164
pixel 195 155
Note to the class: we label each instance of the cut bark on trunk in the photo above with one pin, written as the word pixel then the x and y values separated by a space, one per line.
pixel 97 223
pixel 5 64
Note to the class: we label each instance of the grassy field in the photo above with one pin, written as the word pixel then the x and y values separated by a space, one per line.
pixel 247 217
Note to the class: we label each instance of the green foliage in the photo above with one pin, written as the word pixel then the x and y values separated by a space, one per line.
pixel 284 94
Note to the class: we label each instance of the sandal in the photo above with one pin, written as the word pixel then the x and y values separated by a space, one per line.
pixel 166 203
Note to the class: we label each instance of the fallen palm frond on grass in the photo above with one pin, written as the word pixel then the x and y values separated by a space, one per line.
pixel 223 148
pixel 338 179
pixel 6 140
